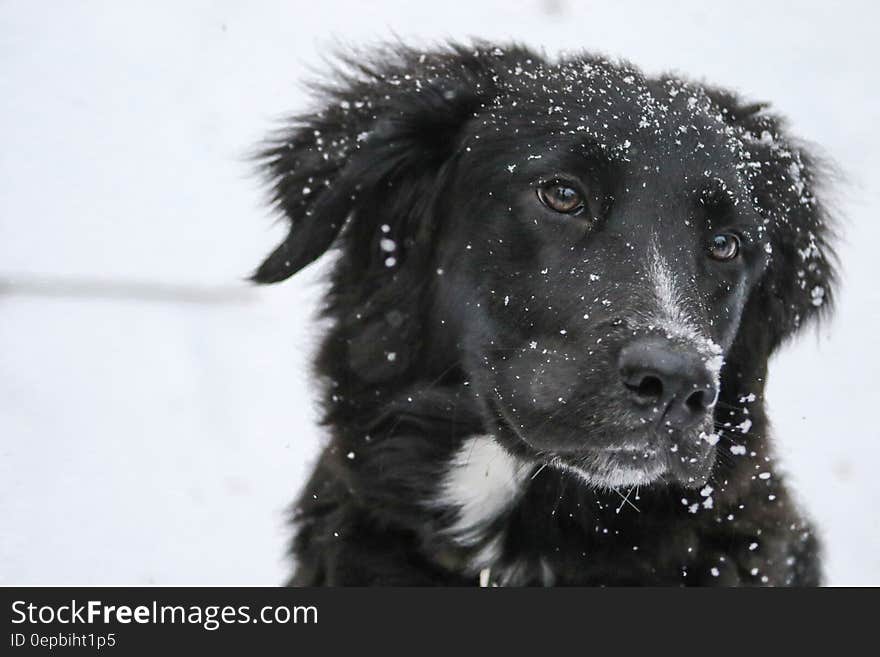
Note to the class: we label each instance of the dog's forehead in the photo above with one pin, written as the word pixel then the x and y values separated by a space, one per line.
pixel 614 105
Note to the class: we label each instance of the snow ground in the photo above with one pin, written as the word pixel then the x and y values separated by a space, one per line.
pixel 144 440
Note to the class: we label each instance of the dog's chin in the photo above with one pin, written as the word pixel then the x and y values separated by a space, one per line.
pixel 616 467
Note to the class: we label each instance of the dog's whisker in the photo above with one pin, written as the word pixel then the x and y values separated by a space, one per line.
pixel 624 498
pixel 538 471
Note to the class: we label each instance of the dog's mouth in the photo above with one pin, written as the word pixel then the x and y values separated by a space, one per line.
pixel 641 458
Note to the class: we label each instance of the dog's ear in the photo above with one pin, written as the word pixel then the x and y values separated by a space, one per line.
pixel 787 184
pixel 382 125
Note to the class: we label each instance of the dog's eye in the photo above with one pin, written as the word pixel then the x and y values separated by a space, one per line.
pixel 561 196
pixel 724 246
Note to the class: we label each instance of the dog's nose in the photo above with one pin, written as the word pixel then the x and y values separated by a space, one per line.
pixel 661 376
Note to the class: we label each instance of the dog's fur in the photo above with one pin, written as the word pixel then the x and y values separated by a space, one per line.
pixel 479 431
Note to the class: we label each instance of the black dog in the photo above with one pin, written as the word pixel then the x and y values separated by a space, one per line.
pixel 557 290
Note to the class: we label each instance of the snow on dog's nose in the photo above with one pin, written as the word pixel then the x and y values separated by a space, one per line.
pixel 667 382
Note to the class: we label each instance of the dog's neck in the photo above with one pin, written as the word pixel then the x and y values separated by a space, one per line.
pixel 483 488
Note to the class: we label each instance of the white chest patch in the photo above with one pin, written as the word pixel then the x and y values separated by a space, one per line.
pixel 482 481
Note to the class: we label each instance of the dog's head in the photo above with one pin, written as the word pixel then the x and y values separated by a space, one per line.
pixel 601 255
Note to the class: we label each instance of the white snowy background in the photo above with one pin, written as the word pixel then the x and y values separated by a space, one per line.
pixel 157 414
